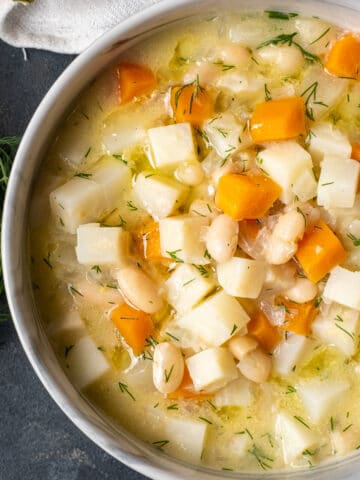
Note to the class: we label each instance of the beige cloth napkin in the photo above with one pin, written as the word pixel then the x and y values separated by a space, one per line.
pixel 66 26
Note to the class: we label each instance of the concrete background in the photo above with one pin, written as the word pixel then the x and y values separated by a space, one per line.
pixel 37 441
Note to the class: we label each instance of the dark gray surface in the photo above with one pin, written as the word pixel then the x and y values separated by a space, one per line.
pixel 37 441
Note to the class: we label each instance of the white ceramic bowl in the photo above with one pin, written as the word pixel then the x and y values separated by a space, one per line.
pixel 115 440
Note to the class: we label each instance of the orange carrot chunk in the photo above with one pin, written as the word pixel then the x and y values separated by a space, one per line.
pixel 298 316
pixel 135 81
pixel 191 103
pixel 134 325
pixel 147 241
pixel 245 197
pixel 344 57
pixel 278 119
pixel 186 390
pixel 261 329
pixel 319 251
pixel 355 152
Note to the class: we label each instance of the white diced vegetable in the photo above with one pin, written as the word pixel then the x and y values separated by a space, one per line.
pixel 241 277
pixel 113 177
pixel 338 326
pixel 186 438
pixel 274 160
pixel 86 362
pixel 78 201
pixel 69 322
pixel 292 353
pixel 237 393
pixel 338 182
pixel 215 320
pixel 305 186
pixel 158 195
pixel 98 245
pixel 212 369
pixel 89 196
pixel 325 140
pixel 321 91
pixel 172 145
pixel 187 286
pixel 226 134
pixel 253 31
pixel 181 239
pixel 343 286
pixel 295 437
pixel 343 442
pixel 244 85
pixel 320 396
pixel 314 34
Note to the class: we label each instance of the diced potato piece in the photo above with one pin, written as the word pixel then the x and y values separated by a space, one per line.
pixel 292 353
pixel 98 245
pixel 344 57
pixel 86 362
pixel 234 394
pixel 242 277
pixel 164 139
pixel 181 239
pixel 319 251
pixel 314 34
pixel 69 322
pixel 295 437
pixel 186 287
pixel 87 199
pixel 245 197
pixel 253 31
pixel 320 396
pixel 321 91
pixel 279 119
pixel 338 182
pixel 215 320
pixel 343 442
pixel 226 134
pixel 212 369
pixel 343 286
pixel 244 85
pixel 186 438
pixel 325 140
pixel 305 186
pixel 158 195
pixel 274 160
pixel 78 201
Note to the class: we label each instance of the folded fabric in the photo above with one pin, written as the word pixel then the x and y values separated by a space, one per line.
pixel 65 26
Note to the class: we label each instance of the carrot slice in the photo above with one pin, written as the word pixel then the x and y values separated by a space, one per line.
pixel 319 251
pixel 261 329
pixel 244 197
pixel 298 316
pixel 186 390
pixel 191 103
pixel 249 229
pixel 278 119
pixel 355 152
pixel 135 81
pixel 134 325
pixel 344 57
pixel 147 240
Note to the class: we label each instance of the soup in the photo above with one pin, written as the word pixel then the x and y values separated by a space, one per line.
pixel 195 237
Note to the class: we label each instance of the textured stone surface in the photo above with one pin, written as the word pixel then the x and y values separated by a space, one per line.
pixel 37 441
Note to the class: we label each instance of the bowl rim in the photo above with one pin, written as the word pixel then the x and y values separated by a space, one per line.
pixel 145 465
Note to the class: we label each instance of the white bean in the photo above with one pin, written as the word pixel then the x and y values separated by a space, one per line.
pixel 288 59
pixel 303 291
pixel 168 367
pixel 207 72
pixel 221 238
pixel 234 54
pixel 256 366
pixel 190 173
pixel 139 289
pixel 240 346
pixel 282 244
